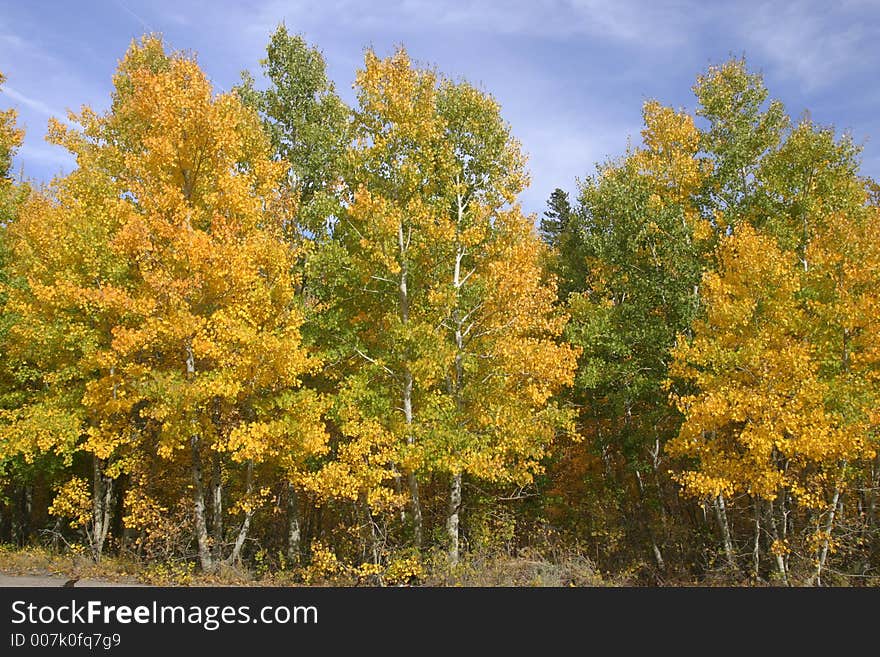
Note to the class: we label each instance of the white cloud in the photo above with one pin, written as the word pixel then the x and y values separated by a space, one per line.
pixel 33 103
pixel 817 43
pixel 643 24
pixel 14 46
pixel 43 157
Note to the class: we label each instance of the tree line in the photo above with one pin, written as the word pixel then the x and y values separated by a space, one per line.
pixel 262 327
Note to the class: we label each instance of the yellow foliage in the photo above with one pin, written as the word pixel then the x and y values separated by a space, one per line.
pixel 73 502
pixel 404 570
pixel 161 301
pixel 759 419
pixel 669 157
pixel 323 566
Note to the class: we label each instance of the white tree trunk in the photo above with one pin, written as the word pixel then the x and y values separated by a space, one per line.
pixel 235 555
pixel 781 567
pixel 102 506
pixel 217 508
pixel 294 533
pixel 826 538
pixel 452 519
pixel 205 560
pixel 655 549
pixel 407 392
pixel 721 516
pixel 756 546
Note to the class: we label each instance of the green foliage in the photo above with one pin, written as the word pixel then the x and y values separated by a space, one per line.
pixel 556 218
pixel 743 127
pixel 306 122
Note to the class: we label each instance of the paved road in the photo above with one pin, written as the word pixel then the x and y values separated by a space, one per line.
pixel 7 581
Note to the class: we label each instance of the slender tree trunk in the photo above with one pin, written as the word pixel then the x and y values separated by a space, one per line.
pixel 655 466
pixel 370 537
pixel 102 500
pixel 452 519
pixel 217 507
pixel 416 509
pixel 872 535
pixel 294 534
pixel 727 543
pixel 816 580
pixel 756 547
pixel 826 538
pixel 201 527
pixel 665 512
pixel 787 528
pixel 643 509
pixel 102 508
pixel 398 489
pixel 205 560
pixel 235 555
pixel 412 481
pixel 873 486
pixel 774 533
pixel 655 549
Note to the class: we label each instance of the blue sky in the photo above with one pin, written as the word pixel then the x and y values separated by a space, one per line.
pixel 571 75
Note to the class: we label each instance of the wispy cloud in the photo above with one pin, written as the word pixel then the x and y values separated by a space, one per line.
pixel 45 155
pixel 33 103
pixel 22 48
pixel 124 7
pixel 646 24
pixel 816 42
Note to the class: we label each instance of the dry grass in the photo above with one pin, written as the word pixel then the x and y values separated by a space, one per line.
pixel 490 570
pixel 42 561
pixel 37 560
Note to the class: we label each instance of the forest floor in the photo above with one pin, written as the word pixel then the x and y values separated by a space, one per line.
pixel 39 566
pixel 7 581
pixel 36 566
